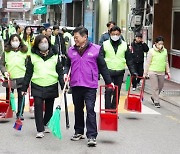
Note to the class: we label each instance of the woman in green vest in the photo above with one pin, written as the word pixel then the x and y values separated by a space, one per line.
pixel 44 70
pixel 157 66
pixel 28 38
pixel 12 65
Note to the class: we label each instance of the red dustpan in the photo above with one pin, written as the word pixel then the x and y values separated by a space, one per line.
pixel 108 118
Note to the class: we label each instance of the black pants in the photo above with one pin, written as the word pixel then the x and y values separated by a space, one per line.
pixel 38 112
pixel 139 67
pixel 111 103
pixel 84 96
pixel 19 99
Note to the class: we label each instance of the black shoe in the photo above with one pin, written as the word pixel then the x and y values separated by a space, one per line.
pixel 152 99
pixel 92 142
pixel 157 105
pixel 77 137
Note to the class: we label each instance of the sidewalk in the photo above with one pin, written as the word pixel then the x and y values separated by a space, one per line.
pixel 170 92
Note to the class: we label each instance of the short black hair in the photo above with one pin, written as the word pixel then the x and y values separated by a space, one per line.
pixel 38 40
pixel 81 30
pixel 42 29
pixel 55 27
pixel 159 38
pixel 48 28
pixel 138 34
pixel 110 22
pixel 115 28
pixel 64 29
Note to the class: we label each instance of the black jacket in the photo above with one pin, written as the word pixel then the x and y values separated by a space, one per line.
pixel 128 57
pixel 39 91
pixel 61 47
pixel 137 51
pixel 102 67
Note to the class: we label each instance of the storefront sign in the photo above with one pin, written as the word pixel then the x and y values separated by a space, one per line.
pixel 18 5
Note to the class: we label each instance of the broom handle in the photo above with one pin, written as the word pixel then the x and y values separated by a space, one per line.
pixel 63 92
pixel 22 104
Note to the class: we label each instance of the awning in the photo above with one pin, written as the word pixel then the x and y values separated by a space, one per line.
pixel 40 10
pixel 66 1
pixel 52 2
pixel 15 10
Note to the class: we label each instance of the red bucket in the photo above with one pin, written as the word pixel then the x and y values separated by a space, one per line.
pixel 108 118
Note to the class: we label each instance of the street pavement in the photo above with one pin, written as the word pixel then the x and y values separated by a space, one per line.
pixel 154 131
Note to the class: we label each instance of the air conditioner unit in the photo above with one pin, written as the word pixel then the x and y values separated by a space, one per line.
pixel 132 4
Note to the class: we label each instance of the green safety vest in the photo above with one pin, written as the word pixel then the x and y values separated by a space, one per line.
pixel 44 71
pixel 12 30
pixel 115 61
pixel 27 44
pixel 15 63
pixel 158 62
pixel 53 38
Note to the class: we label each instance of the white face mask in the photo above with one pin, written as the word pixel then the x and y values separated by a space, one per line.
pixel 43 46
pixel 15 44
pixel 115 37
pixel 160 47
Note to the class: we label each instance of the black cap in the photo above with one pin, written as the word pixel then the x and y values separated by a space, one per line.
pixel 138 35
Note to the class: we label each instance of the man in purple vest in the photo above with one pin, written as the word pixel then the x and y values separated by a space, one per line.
pixel 85 61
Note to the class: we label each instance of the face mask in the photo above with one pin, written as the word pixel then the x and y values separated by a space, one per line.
pixel 43 46
pixel 15 44
pixel 115 37
pixel 160 47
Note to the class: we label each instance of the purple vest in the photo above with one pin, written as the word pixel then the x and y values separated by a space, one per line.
pixel 84 70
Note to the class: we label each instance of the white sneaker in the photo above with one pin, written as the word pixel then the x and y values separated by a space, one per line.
pixel 40 135
pixel 47 130
pixel 134 89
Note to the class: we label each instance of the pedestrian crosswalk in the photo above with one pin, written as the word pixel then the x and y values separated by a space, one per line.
pixel 145 109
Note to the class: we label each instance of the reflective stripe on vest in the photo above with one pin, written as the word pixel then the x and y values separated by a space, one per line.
pixel 53 39
pixel 115 61
pixel 44 71
pixel 158 62
pixel 15 63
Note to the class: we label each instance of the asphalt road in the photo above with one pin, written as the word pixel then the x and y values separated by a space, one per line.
pixel 154 131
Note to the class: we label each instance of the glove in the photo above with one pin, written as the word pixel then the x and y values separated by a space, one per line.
pixel 135 74
pixel 168 76
pixel 6 74
pixel 66 78
pixel 111 85
pixel 2 78
pixel 23 93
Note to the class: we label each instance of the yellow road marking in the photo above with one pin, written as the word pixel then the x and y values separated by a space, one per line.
pixel 173 118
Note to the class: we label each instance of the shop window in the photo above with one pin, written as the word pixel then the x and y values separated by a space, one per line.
pixel 176 31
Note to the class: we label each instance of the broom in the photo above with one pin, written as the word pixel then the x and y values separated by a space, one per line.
pixel 18 122
pixel 54 122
